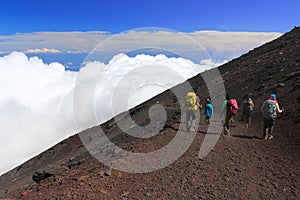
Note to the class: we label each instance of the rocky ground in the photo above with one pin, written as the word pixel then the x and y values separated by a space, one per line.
pixel 241 166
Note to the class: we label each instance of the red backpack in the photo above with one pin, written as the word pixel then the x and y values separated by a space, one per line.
pixel 232 106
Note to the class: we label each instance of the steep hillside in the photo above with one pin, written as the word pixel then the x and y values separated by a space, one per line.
pixel 242 166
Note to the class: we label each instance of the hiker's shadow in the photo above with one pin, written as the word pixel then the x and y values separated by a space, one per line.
pixel 247 136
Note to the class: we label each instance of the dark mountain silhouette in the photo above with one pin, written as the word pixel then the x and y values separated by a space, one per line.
pixel 240 167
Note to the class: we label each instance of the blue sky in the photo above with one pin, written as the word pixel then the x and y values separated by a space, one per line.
pixel 116 16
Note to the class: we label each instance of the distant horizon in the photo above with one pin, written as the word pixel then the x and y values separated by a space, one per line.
pixel 71 48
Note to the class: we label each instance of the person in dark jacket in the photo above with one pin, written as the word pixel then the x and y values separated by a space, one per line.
pixel 247 109
pixel 269 109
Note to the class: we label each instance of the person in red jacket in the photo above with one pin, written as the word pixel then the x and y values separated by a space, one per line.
pixel 231 110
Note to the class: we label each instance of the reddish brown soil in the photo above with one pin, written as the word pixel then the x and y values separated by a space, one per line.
pixel 241 166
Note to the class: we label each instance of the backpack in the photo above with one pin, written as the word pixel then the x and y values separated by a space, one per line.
pixel 248 105
pixel 190 101
pixel 270 109
pixel 232 106
pixel 208 109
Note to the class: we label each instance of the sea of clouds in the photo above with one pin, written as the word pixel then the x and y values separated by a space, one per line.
pixel 36 100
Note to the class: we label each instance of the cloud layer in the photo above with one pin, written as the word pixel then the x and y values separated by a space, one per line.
pixel 35 107
pixel 224 45
pixel 44 50
pixel 36 102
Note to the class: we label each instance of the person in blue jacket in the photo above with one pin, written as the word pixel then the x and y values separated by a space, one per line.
pixel 208 111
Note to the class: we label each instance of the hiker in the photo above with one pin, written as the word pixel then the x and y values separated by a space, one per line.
pixel 269 109
pixel 208 110
pixel 223 112
pixel 231 110
pixel 191 104
pixel 247 109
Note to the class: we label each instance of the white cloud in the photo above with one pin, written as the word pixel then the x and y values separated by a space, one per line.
pixel 62 41
pixel 222 45
pixel 44 50
pixel 232 41
pixel 36 99
pixel 35 107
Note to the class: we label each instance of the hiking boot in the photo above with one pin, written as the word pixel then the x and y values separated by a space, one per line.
pixel 226 131
pixel 266 137
pixel 270 137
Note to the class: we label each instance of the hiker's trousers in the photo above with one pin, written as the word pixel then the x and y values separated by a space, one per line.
pixel 268 126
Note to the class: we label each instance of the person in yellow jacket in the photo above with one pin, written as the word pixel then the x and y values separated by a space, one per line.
pixel 191 104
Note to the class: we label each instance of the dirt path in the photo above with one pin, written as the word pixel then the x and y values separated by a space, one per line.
pixel 237 168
